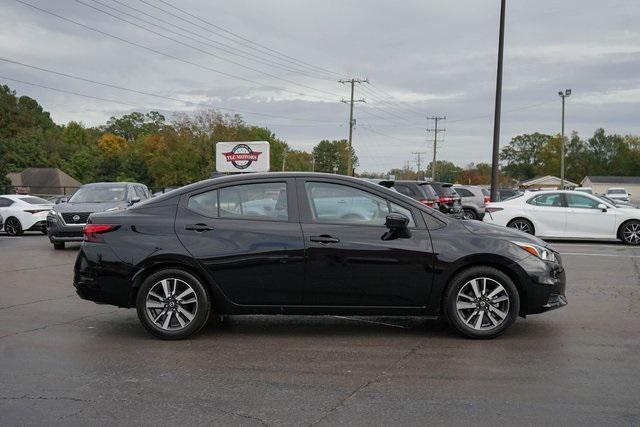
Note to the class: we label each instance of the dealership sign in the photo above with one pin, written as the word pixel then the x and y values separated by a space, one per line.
pixel 250 156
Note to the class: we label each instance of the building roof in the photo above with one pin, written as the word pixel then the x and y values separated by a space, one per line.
pixel 546 180
pixel 613 179
pixel 43 180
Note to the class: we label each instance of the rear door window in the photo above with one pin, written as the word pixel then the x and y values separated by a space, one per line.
pixel 547 200
pixel 254 201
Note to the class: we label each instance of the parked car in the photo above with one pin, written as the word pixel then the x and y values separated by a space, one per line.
pixel 1 222
pixel 448 200
pixel 24 213
pixel 507 193
pixel 616 203
pixel 472 199
pixel 420 191
pixel 566 214
pixel 327 244
pixel 618 193
pixel 66 220
pixel 587 190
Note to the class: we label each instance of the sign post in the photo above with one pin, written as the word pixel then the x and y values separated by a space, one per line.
pixel 250 156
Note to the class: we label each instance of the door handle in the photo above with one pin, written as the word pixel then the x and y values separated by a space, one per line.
pixel 198 228
pixel 324 239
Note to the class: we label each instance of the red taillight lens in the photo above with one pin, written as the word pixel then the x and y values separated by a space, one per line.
pixel 426 202
pixel 490 209
pixel 445 199
pixel 92 232
pixel 487 199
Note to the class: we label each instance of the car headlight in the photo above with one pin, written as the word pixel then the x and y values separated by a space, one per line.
pixel 51 215
pixel 537 250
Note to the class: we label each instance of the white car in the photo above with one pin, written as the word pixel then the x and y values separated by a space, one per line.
pixel 24 213
pixel 566 215
pixel 618 194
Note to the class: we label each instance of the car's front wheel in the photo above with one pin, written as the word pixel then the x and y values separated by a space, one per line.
pixel 481 302
pixel 173 304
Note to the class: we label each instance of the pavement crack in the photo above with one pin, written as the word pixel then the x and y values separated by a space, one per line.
pixel 55 324
pixel 35 302
pixel 29 397
pixel 243 415
pixel 375 379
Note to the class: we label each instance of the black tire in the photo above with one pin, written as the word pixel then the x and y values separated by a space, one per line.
pixel 13 227
pixel 200 310
pixel 469 214
pixel 455 317
pixel 630 233
pixel 523 225
pixel 58 245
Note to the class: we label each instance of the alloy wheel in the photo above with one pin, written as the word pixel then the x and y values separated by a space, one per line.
pixel 482 304
pixel 468 214
pixel 522 226
pixel 171 304
pixel 631 233
pixel 12 227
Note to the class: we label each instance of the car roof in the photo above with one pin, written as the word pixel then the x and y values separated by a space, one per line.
pixel 16 196
pixel 109 184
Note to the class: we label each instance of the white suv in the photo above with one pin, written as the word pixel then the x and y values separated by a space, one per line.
pixel 618 193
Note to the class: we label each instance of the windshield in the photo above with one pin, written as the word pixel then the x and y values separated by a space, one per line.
pixel 99 194
pixel 616 191
pixel 35 201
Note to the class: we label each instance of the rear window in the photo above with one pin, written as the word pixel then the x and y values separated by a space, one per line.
pixel 443 189
pixel 35 201
pixel 463 192
pixel 616 191
pixel 485 192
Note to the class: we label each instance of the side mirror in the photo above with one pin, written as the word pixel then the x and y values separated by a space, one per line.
pixel 602 207
pixel 396 221
pixel 134 200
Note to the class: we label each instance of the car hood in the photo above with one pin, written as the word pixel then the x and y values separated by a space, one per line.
pixel 493 230
pixel 88 207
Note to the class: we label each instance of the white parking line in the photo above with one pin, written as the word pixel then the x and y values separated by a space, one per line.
pixel 600 255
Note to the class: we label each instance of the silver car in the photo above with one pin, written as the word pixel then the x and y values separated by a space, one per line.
pixel 473 200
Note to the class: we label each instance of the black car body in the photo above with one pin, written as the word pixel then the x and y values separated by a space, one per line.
pixel 305 243
pixel 66 220
pixel 507 193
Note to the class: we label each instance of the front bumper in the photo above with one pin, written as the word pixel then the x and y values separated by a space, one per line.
pixel 545 286
pixel 58 231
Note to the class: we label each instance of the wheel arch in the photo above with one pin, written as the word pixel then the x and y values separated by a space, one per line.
pixel 163 263
pixel 501 264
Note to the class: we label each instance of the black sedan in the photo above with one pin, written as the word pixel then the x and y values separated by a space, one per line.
pixel 305 243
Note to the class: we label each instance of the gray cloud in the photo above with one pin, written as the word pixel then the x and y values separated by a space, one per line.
pixel 436 56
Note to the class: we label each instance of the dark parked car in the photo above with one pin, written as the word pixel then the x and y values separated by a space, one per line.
pixel 418 190
pixel 66 220
pixel 508 193
pixel 448 200
pixel 305 243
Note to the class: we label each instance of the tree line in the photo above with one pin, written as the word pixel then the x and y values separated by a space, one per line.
pixel 149 148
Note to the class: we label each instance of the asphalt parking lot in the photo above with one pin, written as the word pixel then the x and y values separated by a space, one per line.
pixel 65 361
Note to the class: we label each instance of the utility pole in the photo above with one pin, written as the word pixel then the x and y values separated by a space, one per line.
pixel 435 131
pixel 563 95
pixel 419 160
pixel 352 121
pixel 495 172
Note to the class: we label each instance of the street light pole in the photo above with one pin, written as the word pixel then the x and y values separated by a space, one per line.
pixel 563 95
pixel 495 172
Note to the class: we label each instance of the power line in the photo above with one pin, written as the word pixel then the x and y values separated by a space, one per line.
pixel 210 42
pixel 324 70
pixel 155 95
pixel 260 85
pixel 239 64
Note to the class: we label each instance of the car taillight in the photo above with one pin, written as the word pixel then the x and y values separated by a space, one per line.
pixel 492 209
pixel 426 202
pixel 445 199
pixel 92 232
pixel 487 199
pixel 35 211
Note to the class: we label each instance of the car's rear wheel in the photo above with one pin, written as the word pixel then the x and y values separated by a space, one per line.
pixel 173 304
pixel 13 227
pixel 522 225
pixel 630 233
pixel 481 302
pixel 469 214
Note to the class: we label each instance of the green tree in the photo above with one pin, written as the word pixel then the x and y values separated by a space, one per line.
pixel 521 156
pixel 333 156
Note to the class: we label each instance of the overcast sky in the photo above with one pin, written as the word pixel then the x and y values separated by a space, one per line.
pixel 422 57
